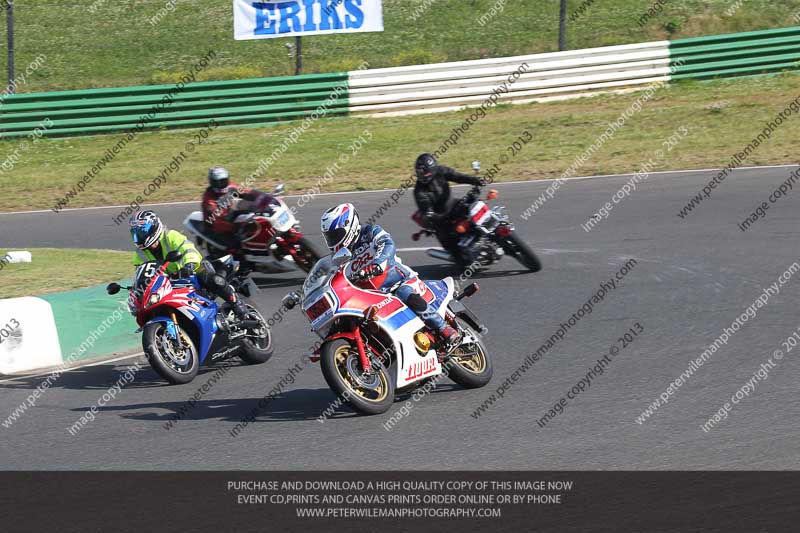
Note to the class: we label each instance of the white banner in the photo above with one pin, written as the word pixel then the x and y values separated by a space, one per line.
pixel 253 19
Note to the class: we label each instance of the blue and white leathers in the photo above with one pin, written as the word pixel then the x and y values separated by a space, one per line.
pixel 374 246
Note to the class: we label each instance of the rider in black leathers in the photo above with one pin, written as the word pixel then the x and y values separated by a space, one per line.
pixel 432 194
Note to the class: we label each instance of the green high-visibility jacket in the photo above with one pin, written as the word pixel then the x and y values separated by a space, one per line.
pixel 171 240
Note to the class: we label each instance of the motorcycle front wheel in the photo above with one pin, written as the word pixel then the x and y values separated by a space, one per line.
pixel 174 364
pixel 370 393
pixel 307 255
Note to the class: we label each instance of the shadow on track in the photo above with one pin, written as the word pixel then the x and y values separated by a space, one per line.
pixel 439 271
pixel 103 376
pixel 296 405
pixel 277 283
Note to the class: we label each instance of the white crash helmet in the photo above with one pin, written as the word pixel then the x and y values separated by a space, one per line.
pixel 340 226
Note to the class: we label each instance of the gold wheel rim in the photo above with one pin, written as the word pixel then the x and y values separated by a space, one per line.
pixel 473 362
pixel 340 361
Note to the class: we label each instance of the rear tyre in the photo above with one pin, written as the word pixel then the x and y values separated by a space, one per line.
pixel 258 348
pixel 469 365
pixel 517 248
pixel 371 393
pixel 176 365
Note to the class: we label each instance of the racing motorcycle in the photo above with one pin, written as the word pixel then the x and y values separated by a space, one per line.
pixel 271 240
pixel 487 232
pixel 182 328
pixel 374 346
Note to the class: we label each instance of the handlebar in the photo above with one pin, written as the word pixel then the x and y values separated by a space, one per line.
pixel 363 275
pixel 473 193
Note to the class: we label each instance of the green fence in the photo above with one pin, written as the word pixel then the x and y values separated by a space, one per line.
pixel 265 100
pixel 736 54
pixel 251 101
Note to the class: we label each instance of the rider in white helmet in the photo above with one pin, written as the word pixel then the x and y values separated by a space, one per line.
pixel 374 253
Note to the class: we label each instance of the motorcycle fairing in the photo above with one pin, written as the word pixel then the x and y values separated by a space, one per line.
pixel 185 299
pixel 479 212
pixel 443 292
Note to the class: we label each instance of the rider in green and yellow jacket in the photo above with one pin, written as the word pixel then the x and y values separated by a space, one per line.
pixel 154 242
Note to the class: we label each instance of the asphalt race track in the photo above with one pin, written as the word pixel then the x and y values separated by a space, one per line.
pixel 693 277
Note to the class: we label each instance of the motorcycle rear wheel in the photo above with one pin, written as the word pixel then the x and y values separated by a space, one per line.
pixel 371 393
pixel 469 365
pixel 157 344
pixel 516 247
pixel 254 353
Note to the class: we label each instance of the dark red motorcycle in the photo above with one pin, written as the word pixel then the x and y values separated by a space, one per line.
pixel 486 233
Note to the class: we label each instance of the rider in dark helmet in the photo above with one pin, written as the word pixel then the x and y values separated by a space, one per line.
pixel 432 194
pixel 222 201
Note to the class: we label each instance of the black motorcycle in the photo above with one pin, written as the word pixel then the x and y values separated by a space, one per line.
pixel 482 233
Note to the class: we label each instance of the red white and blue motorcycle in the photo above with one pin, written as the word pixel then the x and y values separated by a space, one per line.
pixel 374 345
pixel 183 328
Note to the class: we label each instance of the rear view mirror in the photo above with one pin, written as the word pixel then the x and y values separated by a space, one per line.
pixel 476 166
pixel 492 194
pixel 343 256
pixel 279 189
pixel 291 300
pixel 113 288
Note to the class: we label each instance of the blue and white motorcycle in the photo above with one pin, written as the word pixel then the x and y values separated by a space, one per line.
pixel 183 328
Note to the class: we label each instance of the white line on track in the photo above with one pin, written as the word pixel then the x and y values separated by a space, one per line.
pixel 70 369
pixel 415 249
pixel 690 171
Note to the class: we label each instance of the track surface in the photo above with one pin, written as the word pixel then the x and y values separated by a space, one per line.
pixel 693 278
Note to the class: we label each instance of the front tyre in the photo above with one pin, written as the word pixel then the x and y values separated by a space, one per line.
pixel 257 345
pixel 307 256
pixel 516 247
pixel 176 364
pixel 469 365
pixel 370 393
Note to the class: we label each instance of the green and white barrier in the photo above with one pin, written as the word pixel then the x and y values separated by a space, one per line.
pixel 402 90
pixel 570 74
pixel 63 329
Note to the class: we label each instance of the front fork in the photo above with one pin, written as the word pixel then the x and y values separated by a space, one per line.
pixel 287 241
pixel 362 352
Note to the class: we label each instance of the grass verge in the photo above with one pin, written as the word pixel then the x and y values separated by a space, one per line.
pixel 56 270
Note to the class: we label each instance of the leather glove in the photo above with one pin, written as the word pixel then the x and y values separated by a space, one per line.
pixel 186 271
pixel 369 271
pixel 433 219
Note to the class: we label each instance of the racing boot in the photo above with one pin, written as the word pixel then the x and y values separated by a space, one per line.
pixel 450 339
pixel 239 309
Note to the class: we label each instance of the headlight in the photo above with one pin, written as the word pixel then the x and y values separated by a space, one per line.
pixel 154 298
